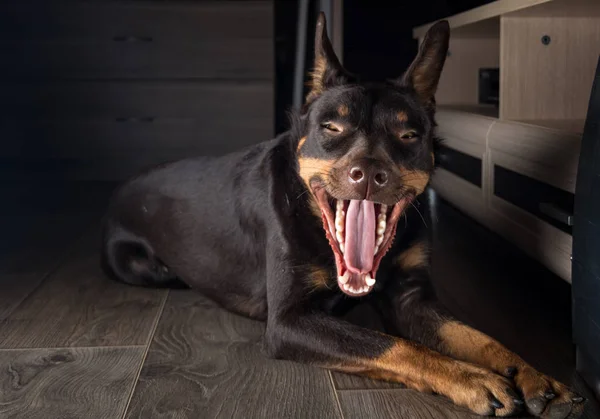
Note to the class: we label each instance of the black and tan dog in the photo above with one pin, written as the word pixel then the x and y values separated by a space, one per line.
pixel 295 229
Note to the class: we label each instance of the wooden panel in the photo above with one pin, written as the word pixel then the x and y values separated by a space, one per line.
pixel 463 131
pixel 236 102
pixel 466 196
pixel 105 138
pixel 459 80
pixel 481 13
pixel 106 59
pixel 543 154
pixel 355 382
pixel 547 81
pixel 79 306
pixel 67 383
pixel 536 238
pixel 399 404
pixel 215 356
pixel 561 8
pixel 172 20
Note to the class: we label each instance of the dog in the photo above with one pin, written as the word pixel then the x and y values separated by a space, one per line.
pixel 295 230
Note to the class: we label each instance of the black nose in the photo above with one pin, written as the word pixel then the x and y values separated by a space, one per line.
pixel 367 177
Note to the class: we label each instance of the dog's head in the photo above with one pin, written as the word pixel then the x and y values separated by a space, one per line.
pixel 366 151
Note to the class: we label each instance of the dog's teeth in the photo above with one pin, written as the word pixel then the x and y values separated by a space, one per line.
pixel 383 209
pixel 381 227
pixel 381 217
pixel 339 205
pixel 376 249
pixel 342 247
pixel 344 279
pixel 339 236
pixel 379 240
pixel 339 221
pixel 369 281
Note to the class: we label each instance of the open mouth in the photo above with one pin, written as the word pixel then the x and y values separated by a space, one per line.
pixel 360 232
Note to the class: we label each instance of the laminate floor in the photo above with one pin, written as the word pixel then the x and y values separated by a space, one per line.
pixel 76 345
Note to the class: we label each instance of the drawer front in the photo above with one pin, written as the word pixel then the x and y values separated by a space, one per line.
pixel 461 164
pixel 72 139
pixel 221 59
pixel 142 100
pixel 548 203
pixel 132 40
pixel 546 155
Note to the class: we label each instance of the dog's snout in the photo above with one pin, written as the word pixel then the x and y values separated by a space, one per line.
pixel 367 177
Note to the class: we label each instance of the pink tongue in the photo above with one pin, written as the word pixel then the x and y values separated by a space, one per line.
pixel 360 236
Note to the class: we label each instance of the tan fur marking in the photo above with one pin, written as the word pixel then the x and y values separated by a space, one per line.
pixel 470 345
pixel 432 159
pixel 316 78
pixel 415 179
pixel 318 278
pixel 343 110
pixel 428 371
pixel 402 116
pixel 301 143
pixel 413 257
pixel 309 167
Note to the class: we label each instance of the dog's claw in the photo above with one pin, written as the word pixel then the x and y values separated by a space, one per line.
pixel 578 399
pixel 497 404
pixel 511 372
pixel 549 395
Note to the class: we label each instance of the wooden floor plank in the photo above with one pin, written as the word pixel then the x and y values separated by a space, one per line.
pixel 79 306
pixel 205 362
pixel 398 404
pixel 67 383
pixel 40 223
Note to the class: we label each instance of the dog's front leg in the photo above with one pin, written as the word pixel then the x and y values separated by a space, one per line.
pixel 411 309
pixel 298 331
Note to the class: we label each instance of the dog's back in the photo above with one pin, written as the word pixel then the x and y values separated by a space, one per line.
pixel 183 211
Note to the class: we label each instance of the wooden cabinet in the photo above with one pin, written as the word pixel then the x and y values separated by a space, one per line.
pixel 546 52
pixel 102 89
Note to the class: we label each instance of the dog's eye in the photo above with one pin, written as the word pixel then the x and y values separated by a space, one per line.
pixel 409 136
pixel 329 126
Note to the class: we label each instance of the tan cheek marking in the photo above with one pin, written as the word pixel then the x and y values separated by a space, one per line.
pixel 301 143
pixel 343 110
pixel 432 158
pixel 413 257
pixel 402 116
pixel 415 179
pixel 309 167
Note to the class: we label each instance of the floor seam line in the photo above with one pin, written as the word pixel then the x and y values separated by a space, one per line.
pixel 72 347
pixel 335 394
pixel 145 354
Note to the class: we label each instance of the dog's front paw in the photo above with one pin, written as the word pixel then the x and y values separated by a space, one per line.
pixel 546 397
pixel 485 392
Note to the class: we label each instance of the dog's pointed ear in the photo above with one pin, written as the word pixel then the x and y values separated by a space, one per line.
pixel 327 70
pixel 424 73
